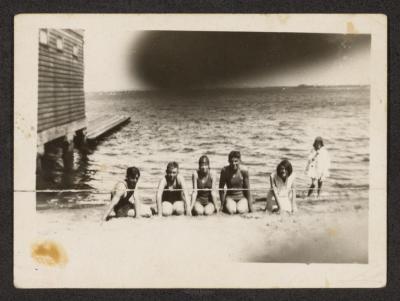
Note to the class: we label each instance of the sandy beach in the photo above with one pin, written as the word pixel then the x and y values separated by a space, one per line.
pixel 320 232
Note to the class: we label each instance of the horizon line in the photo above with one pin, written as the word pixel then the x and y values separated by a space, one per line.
pixel 225 88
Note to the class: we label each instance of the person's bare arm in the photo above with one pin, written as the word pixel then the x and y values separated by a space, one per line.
pixel 194 192
pixel 136 202
pixel 213 191
pixel 119 191
pixel 274 191
pixel 160 191
pixel 293 197
pixel 247 192
pixel 222 193
pixel 185 196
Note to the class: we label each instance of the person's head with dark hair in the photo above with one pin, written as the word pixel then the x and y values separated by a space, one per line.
pixel 132 176
pixel 318 143
pixel 284 169
pixel 234 154
pixel 234 159
pixel 172 165
pixel 204 164
pixel 172 171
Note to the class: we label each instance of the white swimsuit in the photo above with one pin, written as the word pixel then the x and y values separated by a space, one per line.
pixel 318 164
pixel 282 189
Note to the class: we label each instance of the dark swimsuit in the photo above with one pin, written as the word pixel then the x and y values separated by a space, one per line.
pixel 170 195
pixel 234 181
pixel 123 205
pixel 204 197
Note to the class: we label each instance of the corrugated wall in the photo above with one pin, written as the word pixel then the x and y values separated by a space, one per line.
pixel 61 95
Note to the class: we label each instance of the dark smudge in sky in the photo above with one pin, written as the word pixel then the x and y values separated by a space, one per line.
pixel 187 59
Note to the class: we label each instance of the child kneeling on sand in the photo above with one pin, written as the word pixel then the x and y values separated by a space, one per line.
pixel 126 203
pixel 171 195
pixel 204 198
pixel 282 195
pixel 237 197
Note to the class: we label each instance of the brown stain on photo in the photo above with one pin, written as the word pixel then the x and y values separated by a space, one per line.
pixel 49 253
pixel 332 232
pixel 351 28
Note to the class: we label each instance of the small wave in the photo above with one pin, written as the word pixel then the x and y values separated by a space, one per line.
pixel 206 144
pixel 111 154
pixel 254 164
pixel 296 140
pixel 351 186
pixel 168 149
pixel 344 140
pixel 295 155
pixel 262 174
pixel 188 150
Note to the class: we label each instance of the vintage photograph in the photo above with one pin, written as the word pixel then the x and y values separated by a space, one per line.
pixel 158 149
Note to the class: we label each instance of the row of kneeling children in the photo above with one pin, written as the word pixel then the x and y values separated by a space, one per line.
pixel 234 188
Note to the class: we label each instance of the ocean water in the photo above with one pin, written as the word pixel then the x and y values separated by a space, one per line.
pixel 265 125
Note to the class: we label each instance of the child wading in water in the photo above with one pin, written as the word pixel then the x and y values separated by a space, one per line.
pixel 282 196
pixel 318 165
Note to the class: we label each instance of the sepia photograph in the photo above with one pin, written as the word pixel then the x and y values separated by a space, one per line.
pixel 195 155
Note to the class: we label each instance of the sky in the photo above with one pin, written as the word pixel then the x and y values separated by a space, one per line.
pixel 122 60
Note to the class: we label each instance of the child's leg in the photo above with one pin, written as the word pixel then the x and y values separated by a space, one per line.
pixel 271 204
pixel 209 209
pixel 198 208
pixel 179 208
pixel 268 204
pixel 230 205
pixel 319 186
pixel 167 208
pixel 145 211
pixel 311 189
pixel 242 206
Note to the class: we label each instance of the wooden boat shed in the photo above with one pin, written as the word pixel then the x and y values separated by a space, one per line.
pixel 61 99
pixel 61 115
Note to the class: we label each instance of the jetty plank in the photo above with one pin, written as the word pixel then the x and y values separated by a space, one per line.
pixel 102 125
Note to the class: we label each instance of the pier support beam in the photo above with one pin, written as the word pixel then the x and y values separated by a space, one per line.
pixel 39 158
pixel 80 140
pixel 68 151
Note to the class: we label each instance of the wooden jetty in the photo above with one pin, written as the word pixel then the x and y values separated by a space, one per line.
pixel 62 123
pixel 101 126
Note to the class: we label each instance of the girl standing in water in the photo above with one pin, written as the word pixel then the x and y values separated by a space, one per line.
pixel 282 196
pixel 204 202
pixel 318 165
